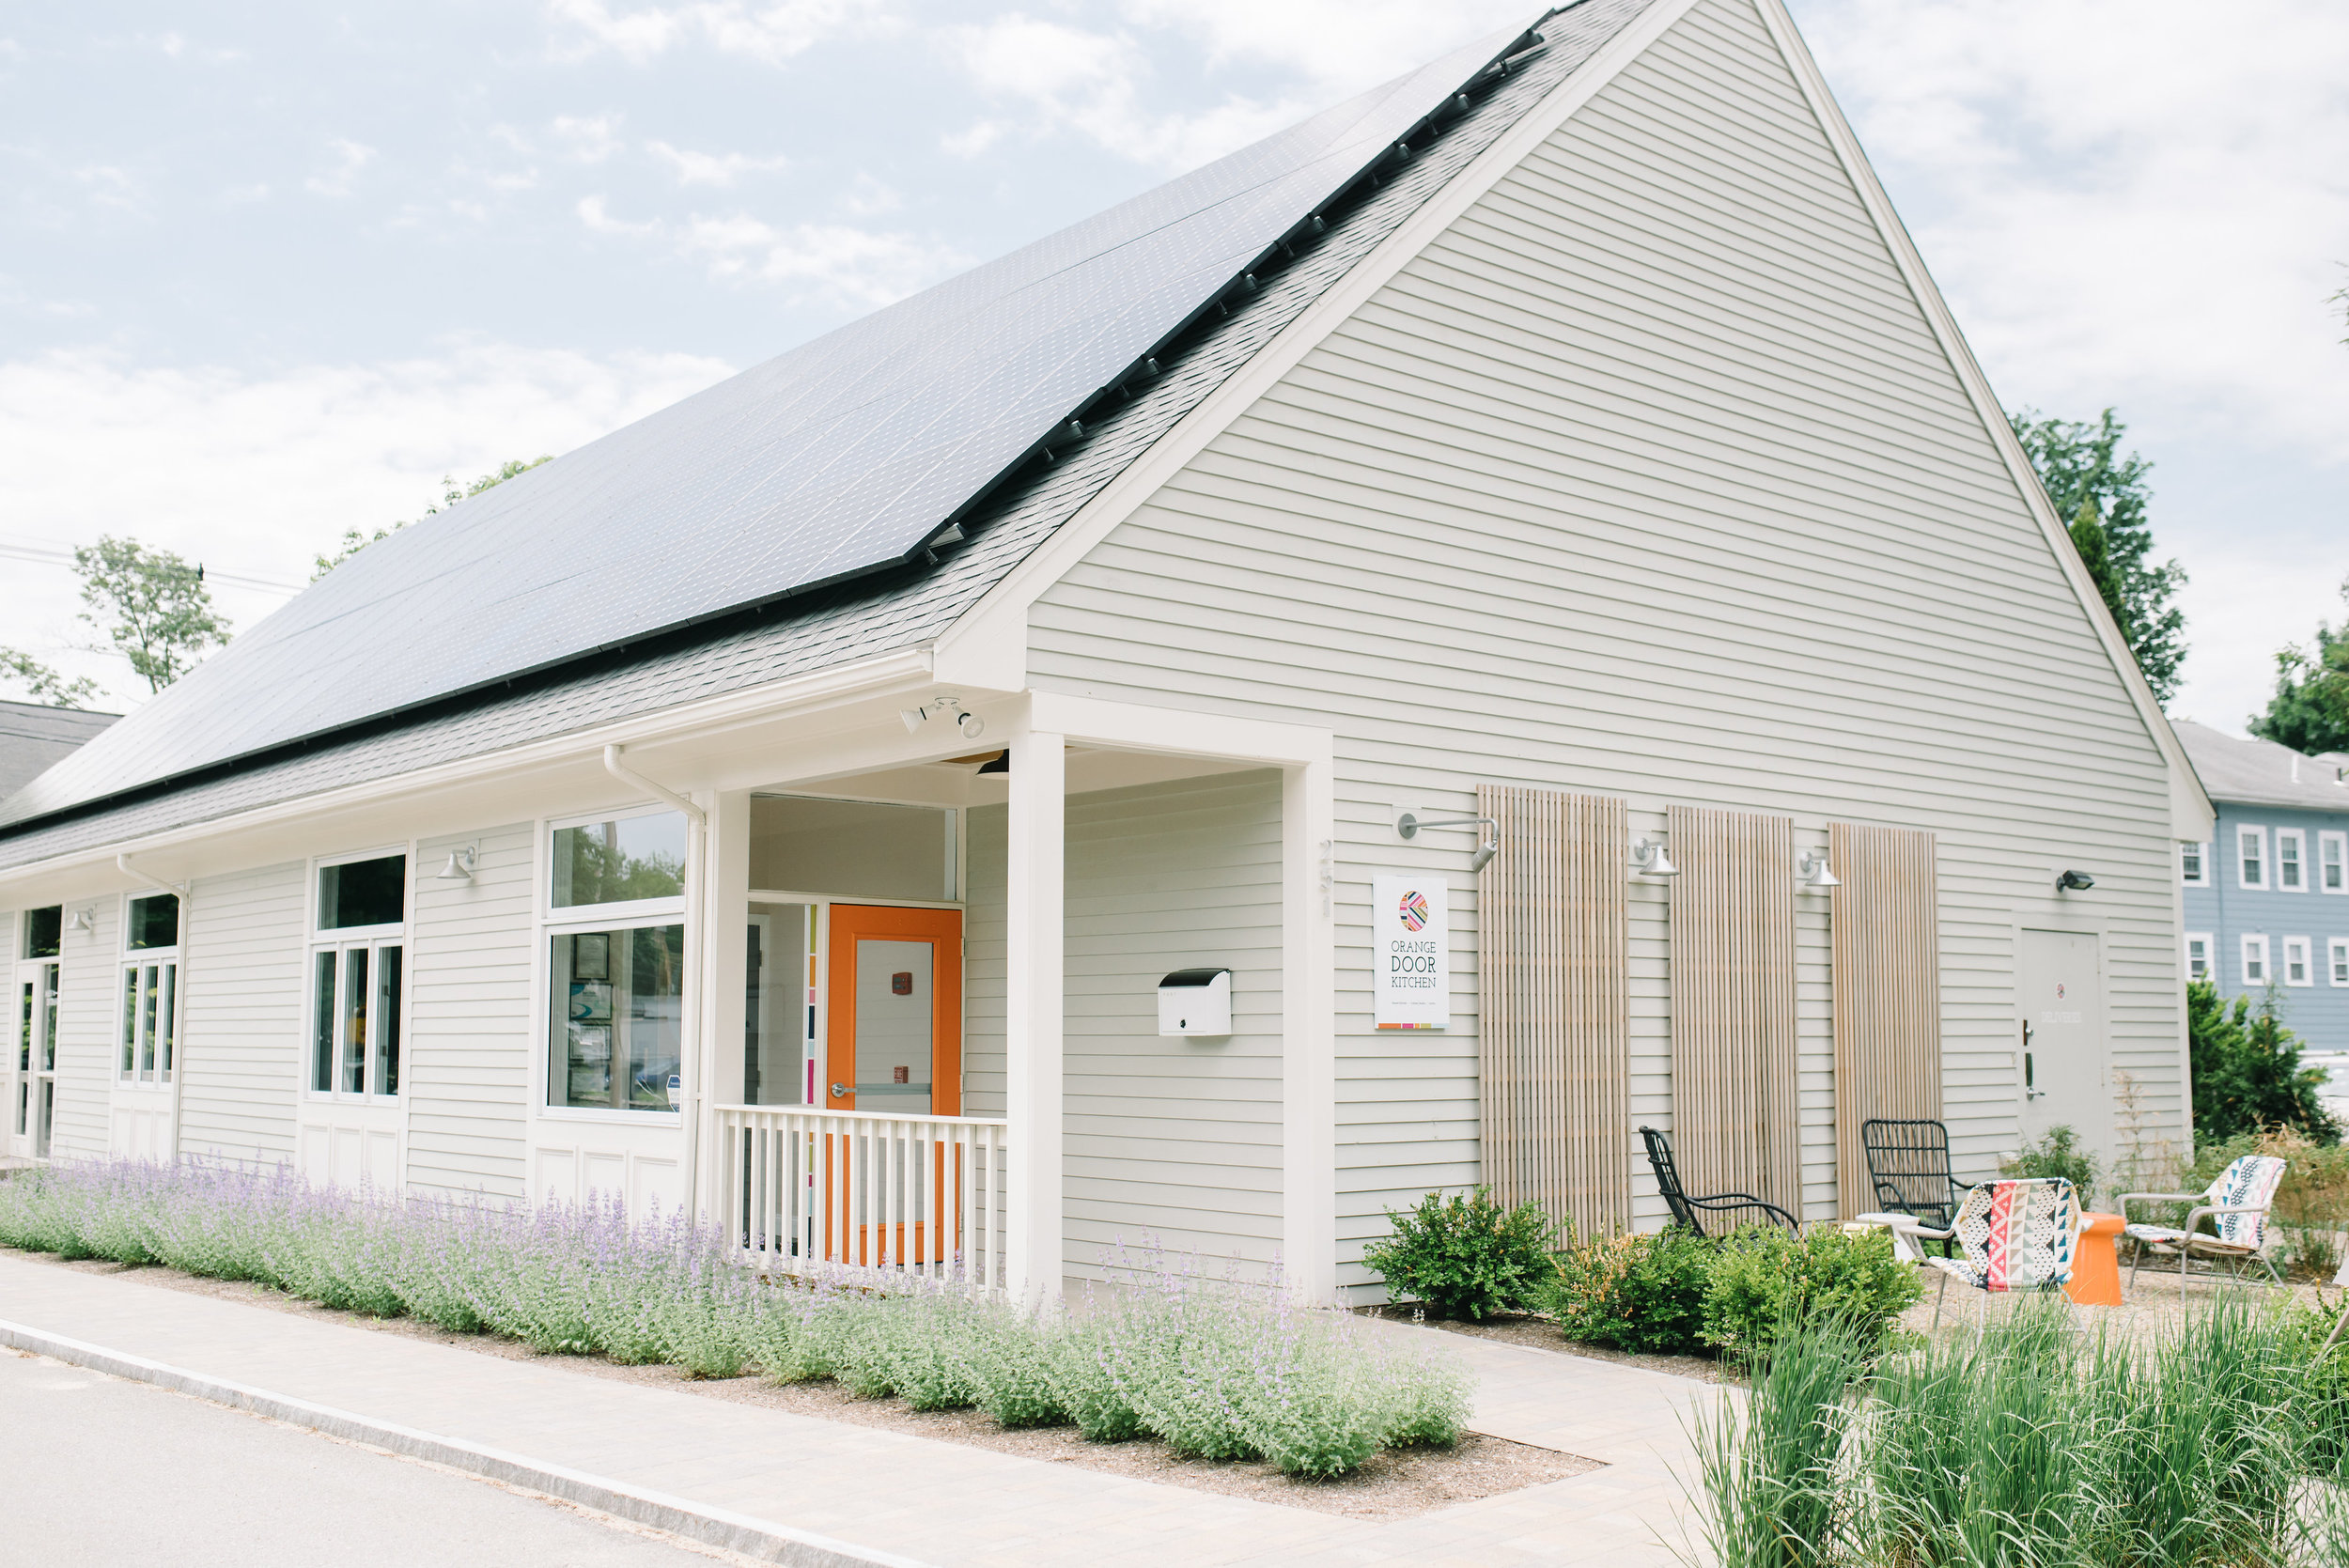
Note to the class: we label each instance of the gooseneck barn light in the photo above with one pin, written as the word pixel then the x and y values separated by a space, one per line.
pixel 1814 871
pixel 1649 859
pixel 1410 823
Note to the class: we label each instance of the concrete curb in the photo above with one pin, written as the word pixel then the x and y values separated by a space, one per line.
pixel 715 1526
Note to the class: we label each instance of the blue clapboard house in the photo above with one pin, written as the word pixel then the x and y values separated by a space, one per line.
pixel 2266 899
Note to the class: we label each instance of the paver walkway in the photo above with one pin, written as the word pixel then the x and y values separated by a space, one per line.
pixel 930 1501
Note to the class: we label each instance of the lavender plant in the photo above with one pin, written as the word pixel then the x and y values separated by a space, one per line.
pixel 1217 1368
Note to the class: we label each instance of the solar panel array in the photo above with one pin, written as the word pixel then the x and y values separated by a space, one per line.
pixel 840 457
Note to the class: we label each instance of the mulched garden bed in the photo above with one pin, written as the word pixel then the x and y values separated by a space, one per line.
pixel 1393 1484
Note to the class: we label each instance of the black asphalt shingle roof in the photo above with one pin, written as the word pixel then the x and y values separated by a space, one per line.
pixel 762 575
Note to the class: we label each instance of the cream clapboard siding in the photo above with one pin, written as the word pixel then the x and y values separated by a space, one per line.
pixel 88 1012
pixel 1648 478
pixel 986 960
pixel 240 1053
pixel 472 1024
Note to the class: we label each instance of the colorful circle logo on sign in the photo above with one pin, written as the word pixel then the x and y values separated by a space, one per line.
pixel 1414 908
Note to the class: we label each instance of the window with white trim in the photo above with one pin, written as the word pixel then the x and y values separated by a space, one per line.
pixel 2337 960
pixel 2255 960
pixel 2192 858
pixel 33 1108
pixel 2198 956
pixel 2250 859
pixel 149 991
pixel 615 963
pixel 2292 853
pixel 358 972
pixel 2332 862
pixel 2296 969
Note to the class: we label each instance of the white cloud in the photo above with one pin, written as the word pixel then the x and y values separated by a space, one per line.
pixel 589 138
pixel 868 197
pixel 713 168
pixel 108 186
pixel 1339 46
pixel 837 261
pixel 1090 84
pixel 350 158
pixel 255 474
pixel 773 32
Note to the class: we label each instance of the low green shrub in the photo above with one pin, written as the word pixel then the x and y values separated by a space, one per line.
pixel 2057 1154
pixel 1766 1281
pixel 1011 1358
pixel 1642 1293
pixel 1464 1256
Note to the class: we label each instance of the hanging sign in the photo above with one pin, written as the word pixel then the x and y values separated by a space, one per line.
pixel 1412 946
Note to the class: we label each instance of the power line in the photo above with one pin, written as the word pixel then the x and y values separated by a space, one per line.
pixel 15 550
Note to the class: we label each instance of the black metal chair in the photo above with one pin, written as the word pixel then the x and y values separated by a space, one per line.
pixel 1908 1166
pixel 1687 1210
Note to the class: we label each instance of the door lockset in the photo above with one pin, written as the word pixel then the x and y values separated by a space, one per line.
pixel 839 1091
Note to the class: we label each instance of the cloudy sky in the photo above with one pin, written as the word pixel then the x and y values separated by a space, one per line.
pixel 271 271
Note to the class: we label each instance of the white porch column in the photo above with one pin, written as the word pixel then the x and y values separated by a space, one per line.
pixel 715 1069
pixel 1309 1088
pixel 1033 1007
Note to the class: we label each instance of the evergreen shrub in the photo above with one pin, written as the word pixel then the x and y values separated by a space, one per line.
pixel 1464 1256
pixel 1642 1293
pixel 1765 1282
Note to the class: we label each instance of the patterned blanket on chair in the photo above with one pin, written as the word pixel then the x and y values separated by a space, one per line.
pixel 2017 1236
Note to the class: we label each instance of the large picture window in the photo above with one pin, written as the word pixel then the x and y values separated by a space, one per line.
pixel 150 987
pixel 358 968
pixel 617 1029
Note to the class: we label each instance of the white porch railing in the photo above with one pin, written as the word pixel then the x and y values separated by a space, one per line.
pixel 922 1195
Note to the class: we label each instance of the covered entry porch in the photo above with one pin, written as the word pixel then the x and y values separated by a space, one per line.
pixel 930 1038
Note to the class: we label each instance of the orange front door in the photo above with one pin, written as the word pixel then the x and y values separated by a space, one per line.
pixel 892 1046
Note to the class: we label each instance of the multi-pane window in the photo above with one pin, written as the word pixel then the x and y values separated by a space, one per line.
pixel 2198 956
pixel 2190 865
pixel 2336 960
pixel 2255 960
pixel 2296 971
pixel 357 965
pixel 32 1110
pixel 2291 851
pixel 2332 862
pixel 2251 857
pixel 150 989
pixel 616 964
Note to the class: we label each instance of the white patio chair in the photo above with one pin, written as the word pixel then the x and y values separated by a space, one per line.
pixel 2012 1236
pixel 2238 1202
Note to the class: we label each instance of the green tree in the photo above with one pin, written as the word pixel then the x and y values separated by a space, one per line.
pixel 2103 495
pixel 2310 712
pixel 152 605
pixel 2246 1070
pixel 354 540
pixel 45 683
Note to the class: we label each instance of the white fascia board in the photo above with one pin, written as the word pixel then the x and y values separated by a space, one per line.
pixel 906 669
pixel 1178 732
pixel 2190 813
pixel 988 645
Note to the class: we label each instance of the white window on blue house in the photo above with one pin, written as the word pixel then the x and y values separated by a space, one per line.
pixel 2332 862
pixel 2255 960
pixel 2291 860
pixel 2336 960
pixel 2198 956
pixel 2191 859
pixel 2296 969
pixel 2250 857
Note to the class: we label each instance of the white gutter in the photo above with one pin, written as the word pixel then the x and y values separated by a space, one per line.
pixel 629 776
pixel 178 890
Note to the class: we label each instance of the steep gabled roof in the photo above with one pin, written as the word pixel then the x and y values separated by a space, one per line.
pixel 749 559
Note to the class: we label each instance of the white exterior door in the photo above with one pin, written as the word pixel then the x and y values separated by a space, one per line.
pixel 2058 990
pixel 142 1113
pixel 28 1086
pixel 351 1129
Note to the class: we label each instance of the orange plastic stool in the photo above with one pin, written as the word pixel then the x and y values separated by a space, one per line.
pixel 2095 1270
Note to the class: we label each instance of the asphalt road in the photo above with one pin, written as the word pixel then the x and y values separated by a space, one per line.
pixel 97 1470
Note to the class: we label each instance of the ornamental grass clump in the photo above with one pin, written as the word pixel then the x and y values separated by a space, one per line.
pixel 1216 1368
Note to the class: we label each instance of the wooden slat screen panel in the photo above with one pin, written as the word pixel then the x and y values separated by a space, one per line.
pixel 1735 1121
pixel 1887 961
pixel 1553 1024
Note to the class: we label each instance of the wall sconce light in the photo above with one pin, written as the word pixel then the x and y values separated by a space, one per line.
pixel 81 922
pixel 460 867
pixel 1814 871
pixel 1410 823
pixel 1649 859
pixel 970 723
pixel 2075 881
